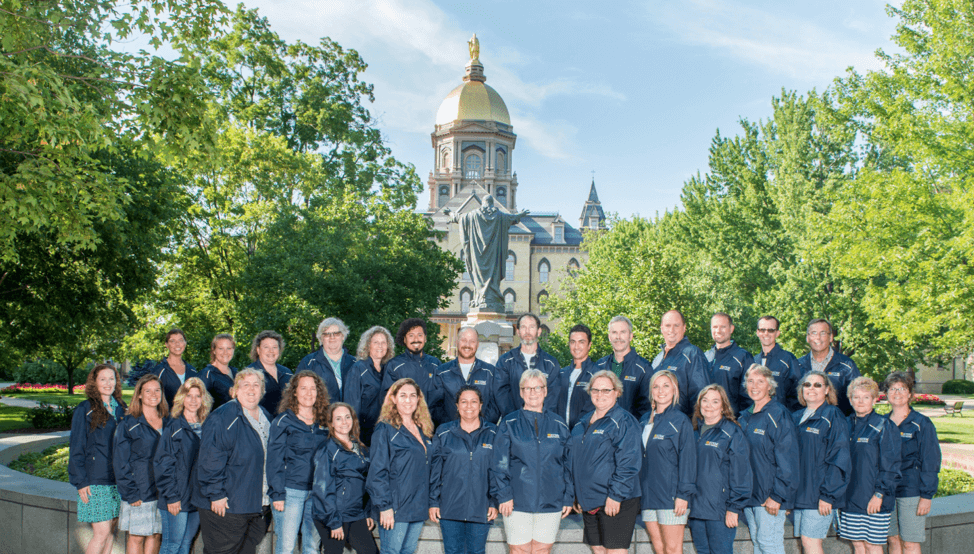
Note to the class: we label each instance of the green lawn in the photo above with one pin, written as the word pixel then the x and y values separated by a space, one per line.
pixel 954 429
pixel 12 417
pixel 55 397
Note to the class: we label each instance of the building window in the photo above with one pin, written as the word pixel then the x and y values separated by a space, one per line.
pixel 559 233
pixel 444 194
pixel 445 159
pixel 542 301
pixel 573 267
pixel 464 301
pixel 543 269
pixel 473 167
pixel 466 273
pixel 509 270
pixel 509 300
pixel 501 165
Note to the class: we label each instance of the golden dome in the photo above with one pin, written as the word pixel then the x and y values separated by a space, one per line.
pixel 473 100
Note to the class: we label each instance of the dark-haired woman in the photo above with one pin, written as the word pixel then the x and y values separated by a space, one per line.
pixel 264 352
pixel 341 510
pixel 173 370
pixel 136 439
pixel 218 375
pixel 175 466
pixel 462 487
pixel 363 386
pixel 295 436
pixel 90 455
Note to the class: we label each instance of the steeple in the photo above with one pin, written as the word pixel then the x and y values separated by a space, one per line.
pixel 593 217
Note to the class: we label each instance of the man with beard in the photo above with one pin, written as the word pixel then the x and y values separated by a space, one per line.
pixel 573 401
pixel 529 356
pixel 728 361
pixel 822 357
pixel 783 364
pixel 631 368
pixel 685 360
pixel 412 363
pixel 465 370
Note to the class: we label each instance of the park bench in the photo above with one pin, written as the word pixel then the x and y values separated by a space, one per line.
pixel 957 408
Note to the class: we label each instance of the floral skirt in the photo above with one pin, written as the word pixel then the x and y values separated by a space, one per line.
pixel 102 505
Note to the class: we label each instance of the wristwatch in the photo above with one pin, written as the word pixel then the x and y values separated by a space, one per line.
pixel 879 495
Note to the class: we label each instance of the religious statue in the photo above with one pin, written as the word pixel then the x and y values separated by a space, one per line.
pixel 474 46
pixel 484 240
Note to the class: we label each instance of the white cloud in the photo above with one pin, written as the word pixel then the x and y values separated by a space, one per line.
pixel 552 139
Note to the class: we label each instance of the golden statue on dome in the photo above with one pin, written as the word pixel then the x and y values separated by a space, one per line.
pixel 474 46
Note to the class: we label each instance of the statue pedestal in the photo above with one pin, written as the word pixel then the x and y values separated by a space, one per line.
pixel 496 334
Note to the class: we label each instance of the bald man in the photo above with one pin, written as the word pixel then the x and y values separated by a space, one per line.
pixel 467 369
pixel 685 360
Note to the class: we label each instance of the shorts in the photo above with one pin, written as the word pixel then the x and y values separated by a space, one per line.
pixel 906 523
pixel 611 531
pixel 811 524
pixel 143 520
pixel 864 527
pixel 665 517
pixel 523 527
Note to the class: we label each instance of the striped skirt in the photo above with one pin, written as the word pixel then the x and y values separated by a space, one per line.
pixel 864 527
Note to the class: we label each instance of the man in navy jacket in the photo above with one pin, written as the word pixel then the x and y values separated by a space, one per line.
pixel 685 360
pixel 332 361
pixel 632 369
pixel 727 360
pixel 412 363
pixel 530 356
pixel 467 369
pixel 783 365
pixel 823 357
pixel 573 401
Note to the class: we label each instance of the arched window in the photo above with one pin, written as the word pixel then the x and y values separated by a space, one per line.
pixel 509 270
pixel 543 269
pixel 466 274
pixel 501 165
pixel 509 300
pixel 573 267
pixel 473 166
pixel 465 296
pixel 445 159
pixel 542 300
pixel 501 195
pixel 444 196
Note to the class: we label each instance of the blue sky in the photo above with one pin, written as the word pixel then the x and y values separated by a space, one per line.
pixel 634 90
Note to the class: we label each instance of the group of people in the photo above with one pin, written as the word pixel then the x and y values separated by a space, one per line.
pixel 691 439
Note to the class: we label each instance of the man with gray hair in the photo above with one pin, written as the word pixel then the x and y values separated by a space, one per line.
pixel 822 356
pixel 631 368
pixel 332 361
pixel 465 370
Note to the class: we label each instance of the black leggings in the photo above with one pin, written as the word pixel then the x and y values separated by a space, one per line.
pixel 357 535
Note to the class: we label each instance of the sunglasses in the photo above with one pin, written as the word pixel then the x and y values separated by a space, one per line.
pixel 808 384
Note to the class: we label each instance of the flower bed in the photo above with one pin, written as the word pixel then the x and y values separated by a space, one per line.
pixel 37 387
pixel 919 399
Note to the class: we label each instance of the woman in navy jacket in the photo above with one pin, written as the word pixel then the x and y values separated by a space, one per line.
pixel 232 492
pixel 175 466
pixel 295 436
pixel 363 384
pixel 773 441
pixel 875 445
pixel 823 469
pixel 669 470
pixel 399 477
pixel 173 370
pixel 90 454
pixel 342 511
pixel 605 457
pixel 462 487
pixel 218 375
pixel 723 473
pixel 919 469
pixel 135 448
pixel 264 352
pixel 534 484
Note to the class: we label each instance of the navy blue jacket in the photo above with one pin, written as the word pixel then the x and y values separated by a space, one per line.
pixel 399 477
pixel 723 472
pixel 231 462
pixel 605 458
pixel 135 449
pixel 636 372
pixel 512 364
pixel 290 454
pixel 784 369
pixel 273 389
pixel 175 464
pixel 920 455
pixel 90 452
pixel 581 401
pixel 218 384
pixel 170 381
pixel 824 466
pixel 669 468
pixel 532 462
pixel 875 445
pixel 462 483
pixel 338 495
pixel 841 371
pixel 727 367
pixel 418 368
pixel 363 392
pixel 773 440
pixel 317 362
pixel 448 379
pixel 690 366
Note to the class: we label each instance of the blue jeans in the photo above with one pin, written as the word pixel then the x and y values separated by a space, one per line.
pixel 767 531
pixel 401 539
pixel 464 537
pixel 178 531
pixel 295 517
pixel 712 536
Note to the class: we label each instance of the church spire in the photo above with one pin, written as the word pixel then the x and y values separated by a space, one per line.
pixel 593 217
pixel 592 195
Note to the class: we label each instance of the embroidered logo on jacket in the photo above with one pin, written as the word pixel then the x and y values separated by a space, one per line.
pixel 630 378
pixel 487 445
pixel 554 436
pixel 712 443
pixel 759 432
pixel 479 382
pixel 811 430
pixel 906 435
pixel 598 432
pixel 659 437
pixel 863 439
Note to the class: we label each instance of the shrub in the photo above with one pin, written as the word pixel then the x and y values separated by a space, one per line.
pixel 137 371
pixel 47 371
pixel 52 463
pixel 47 416
pixel 39 388
pixel 954 481
pixel 958 386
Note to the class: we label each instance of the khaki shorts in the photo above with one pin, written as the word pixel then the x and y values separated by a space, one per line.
pixel 523 527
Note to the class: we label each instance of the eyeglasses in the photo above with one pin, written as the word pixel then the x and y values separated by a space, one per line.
pixel 600 391
pixel 898 390
pixel 819 333
pixel 767 330
pixel 538 388
pixel 332 335
pixel 808 384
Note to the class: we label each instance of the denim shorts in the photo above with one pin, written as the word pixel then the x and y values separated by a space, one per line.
pixel 809 523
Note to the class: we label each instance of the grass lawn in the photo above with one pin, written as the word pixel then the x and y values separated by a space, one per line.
pixel 954 429
pixel 55 397
pixel 12 417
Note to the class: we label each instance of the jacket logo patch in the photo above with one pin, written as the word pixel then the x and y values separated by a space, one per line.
pixel 712 443
pixel 581 384
pixel 776 373
pixel 759 432
pixel 863 439
pixel 671 368
pixel 478 382
pixel 906 435
pixel 630 378
pixel 834 374
pixel 487 445
pixel 811 430
pixel 659 437
pixel 724 368
pixel 598 432
pixel 553 436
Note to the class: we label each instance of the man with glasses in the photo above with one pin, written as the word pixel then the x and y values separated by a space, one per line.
pixel 631 368
pixel 685 360
pixel 332 361
pixel 823 357
pixel 728 361
pixel 783 365
pixel 529 356
pixel 573 400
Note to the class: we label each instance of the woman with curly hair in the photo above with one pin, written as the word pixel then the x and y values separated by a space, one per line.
pixel 363 386
pixel 265 350
pixel 175 466
pixel 90 455
pixel 399 477
pixel 295 436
